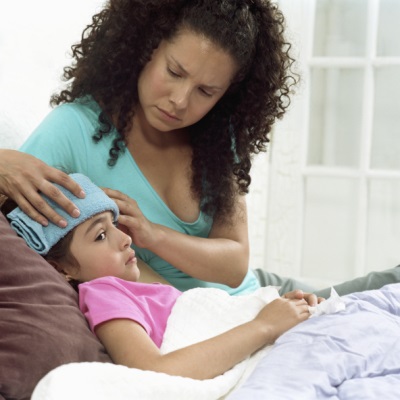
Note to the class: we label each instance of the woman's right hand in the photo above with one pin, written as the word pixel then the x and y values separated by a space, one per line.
pixel 23 176
pixel 282 314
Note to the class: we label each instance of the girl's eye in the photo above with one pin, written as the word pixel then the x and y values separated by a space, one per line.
pixel 102 236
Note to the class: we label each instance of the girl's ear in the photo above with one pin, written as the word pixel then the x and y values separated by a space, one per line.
pixel 62 269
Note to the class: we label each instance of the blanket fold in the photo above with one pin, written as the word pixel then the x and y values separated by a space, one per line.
pixel 198 314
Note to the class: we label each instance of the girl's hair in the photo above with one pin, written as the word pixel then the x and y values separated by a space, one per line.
pixel 60 254
pixel 119 42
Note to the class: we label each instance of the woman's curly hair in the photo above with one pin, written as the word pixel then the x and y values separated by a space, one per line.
pixel 120 41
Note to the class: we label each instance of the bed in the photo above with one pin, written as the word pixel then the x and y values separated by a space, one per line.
pixel 351 354
pixel 48 352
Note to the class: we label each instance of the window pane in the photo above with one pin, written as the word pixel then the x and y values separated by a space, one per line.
pixel 329 228
pixel 386 137
pixel 340 28
pixel 383 245
pixel 335 117
pixel 388 28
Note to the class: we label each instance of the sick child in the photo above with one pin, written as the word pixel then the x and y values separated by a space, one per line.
pixel 129 317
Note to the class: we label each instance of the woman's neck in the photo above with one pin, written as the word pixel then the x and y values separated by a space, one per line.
pixel 142 131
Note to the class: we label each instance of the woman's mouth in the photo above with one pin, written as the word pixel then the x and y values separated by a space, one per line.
pixel 167 115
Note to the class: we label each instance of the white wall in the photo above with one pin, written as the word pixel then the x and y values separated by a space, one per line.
pixel 35 39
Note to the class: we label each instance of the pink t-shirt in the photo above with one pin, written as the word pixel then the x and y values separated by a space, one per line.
pixel 147 304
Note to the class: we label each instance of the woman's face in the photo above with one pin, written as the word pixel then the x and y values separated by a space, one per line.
pixel 101 249
pixel 184 79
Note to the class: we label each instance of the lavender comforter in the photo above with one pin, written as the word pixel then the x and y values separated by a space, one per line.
pixel 354 354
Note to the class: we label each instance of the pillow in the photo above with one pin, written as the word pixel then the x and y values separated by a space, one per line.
pixel 41 326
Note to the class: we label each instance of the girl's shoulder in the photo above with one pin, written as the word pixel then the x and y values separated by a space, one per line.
pixel 115 283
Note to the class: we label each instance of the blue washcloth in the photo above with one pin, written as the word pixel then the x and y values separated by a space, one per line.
pixel 43 238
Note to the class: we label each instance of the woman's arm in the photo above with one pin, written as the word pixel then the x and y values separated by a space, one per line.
pixel 128 343
pixel 222 257
pixel 22 176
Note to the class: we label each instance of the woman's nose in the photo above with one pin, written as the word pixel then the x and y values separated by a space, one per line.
pixel 180 97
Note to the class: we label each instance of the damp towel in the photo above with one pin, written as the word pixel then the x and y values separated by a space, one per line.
pixel 43 238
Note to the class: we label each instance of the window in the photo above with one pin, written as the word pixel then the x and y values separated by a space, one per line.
pixel 333 208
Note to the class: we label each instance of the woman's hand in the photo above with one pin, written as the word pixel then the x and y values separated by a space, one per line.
pixel 311 299
pixel 23 176
pixel 134 223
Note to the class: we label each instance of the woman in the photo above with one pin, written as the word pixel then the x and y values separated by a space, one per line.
pixel 166 103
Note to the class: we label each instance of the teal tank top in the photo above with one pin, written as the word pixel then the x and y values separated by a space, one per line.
pixel 64 140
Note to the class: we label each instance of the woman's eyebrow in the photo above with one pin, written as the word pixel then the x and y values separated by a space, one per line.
pixel 180 66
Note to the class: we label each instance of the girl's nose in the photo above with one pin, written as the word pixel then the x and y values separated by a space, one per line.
pixel 128 241
pixel 125 240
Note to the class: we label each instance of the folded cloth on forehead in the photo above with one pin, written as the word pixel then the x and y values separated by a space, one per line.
pixel 43 238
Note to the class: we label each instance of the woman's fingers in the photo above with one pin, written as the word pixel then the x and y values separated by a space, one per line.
pixel 116 194
pixel 126 205
pixel 54 193
pixel 23 177
pixel 33 204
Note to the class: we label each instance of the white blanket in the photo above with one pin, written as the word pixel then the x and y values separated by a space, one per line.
pixel 198 314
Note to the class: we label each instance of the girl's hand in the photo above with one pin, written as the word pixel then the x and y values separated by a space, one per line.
pixel 134 223
pixel 282 314
pixel 23 176
pixel 311 299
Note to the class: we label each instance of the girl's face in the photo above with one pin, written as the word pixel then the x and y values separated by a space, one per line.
pixel 101 249
pixel 182 82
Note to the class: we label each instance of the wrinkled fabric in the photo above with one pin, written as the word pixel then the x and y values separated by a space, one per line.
pixel 350 355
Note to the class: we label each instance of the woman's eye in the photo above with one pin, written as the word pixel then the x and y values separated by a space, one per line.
pixel 205 93
pixel 102 236
pixel 173 73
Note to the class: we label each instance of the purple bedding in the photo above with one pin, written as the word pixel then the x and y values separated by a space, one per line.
pixel 354 354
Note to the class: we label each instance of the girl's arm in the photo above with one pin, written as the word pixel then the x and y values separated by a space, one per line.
pixel 128 343
pixel 223 257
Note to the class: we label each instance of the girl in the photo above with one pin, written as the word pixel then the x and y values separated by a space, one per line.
pixel 129 317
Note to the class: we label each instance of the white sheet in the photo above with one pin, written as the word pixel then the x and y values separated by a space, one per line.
pixel 198 314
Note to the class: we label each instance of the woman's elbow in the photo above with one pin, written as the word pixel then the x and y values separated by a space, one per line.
pixel 236 279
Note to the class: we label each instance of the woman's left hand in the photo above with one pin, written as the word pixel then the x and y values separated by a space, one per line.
pixel 311 299
pixel 134 223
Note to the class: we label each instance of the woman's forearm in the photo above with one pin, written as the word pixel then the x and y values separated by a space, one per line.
pixel 221 260
pixel 222 257
pixel 148 275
